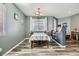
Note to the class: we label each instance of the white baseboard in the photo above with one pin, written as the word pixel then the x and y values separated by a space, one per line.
pixel 59 44
pixel 14 47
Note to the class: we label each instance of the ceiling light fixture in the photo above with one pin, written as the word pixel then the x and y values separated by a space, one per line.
pixel 38 12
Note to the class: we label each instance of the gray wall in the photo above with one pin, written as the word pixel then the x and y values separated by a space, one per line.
pixel 15 30
pixel 27 26
pixel 75 21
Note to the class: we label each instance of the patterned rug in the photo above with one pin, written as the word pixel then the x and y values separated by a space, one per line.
pixel 72 49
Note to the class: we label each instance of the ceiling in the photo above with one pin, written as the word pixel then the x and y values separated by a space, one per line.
pixel 49 9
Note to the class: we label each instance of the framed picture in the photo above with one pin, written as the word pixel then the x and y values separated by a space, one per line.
pixel 16 16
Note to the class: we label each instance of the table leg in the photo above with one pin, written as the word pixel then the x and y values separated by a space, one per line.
pixel 31 44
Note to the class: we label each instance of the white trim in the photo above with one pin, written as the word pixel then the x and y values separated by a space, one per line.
pixel 14 47
pixel 59 44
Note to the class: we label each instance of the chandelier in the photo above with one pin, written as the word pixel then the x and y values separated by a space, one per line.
pixel 38 12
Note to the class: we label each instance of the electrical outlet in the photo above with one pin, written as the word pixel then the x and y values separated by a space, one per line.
pixel 0 49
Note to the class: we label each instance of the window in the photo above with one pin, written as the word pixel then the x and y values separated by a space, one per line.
pixel 38 24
